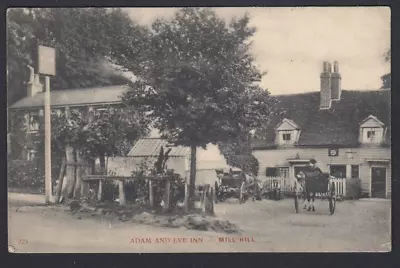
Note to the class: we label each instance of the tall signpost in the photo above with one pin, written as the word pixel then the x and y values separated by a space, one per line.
pixel 47 67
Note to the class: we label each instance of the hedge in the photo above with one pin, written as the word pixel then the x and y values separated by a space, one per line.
pixel 25 175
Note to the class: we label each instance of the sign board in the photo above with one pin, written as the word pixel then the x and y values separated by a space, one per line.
pixel 46 60
pixel 333 152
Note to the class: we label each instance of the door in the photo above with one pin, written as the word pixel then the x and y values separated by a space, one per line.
pixel 378 182
pixel 297 170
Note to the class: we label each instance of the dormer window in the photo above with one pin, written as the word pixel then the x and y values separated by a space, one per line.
pixel 287 132
pixel 371 130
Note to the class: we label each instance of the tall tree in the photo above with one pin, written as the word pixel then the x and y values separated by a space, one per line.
pixel 200 84
pixel 86 39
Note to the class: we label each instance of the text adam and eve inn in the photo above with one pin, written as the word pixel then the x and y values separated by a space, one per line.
pixel 347 132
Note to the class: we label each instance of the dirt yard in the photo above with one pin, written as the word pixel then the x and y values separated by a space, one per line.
pixel 268 226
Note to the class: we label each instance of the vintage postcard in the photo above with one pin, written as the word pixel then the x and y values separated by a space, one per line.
pixel 176 130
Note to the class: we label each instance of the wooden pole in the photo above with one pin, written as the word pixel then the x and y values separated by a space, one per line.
pixel 185 204
pixel 47 141
pixel 211 201
pixel 167 192
pixel 151 193
pixel 60 181
pixel 205 197
pixel 122 200
pixel 100 190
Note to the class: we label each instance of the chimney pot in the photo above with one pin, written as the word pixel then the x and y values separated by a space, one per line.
pixel 336 67
pixel 34 86
pixel 336 82
pixel 325 94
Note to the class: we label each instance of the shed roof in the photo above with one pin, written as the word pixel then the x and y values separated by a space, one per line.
pixel 337 125
pixel 150 147
pixel 71 97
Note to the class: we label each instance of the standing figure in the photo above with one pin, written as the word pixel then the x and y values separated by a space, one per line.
pixel 310 174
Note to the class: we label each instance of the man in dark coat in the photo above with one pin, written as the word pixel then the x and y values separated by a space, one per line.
pixel 312 175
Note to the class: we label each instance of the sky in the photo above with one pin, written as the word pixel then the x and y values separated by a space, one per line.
pixel 291 43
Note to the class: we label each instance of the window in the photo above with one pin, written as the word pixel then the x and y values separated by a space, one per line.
pixel 372 135
pixel 31 155
pixel 33 122
pixel 286 136
pixel 271 172
pixel 355 171
pixel 100 111
pixel 283 172
pixel 338 171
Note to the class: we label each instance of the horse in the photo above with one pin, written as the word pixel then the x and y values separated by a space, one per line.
pixel 312 183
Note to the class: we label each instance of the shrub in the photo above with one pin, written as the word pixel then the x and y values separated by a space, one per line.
pixel 353 187
pixel 25 175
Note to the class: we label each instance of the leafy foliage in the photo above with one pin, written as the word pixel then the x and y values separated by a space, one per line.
pixel 200 86
pixel 23 174
pixel 109 132
pixel 200 81
pixel 86 40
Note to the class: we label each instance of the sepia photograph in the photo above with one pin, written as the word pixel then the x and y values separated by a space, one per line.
pixel 199 129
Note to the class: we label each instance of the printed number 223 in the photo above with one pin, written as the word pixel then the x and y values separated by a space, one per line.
pixel 22 241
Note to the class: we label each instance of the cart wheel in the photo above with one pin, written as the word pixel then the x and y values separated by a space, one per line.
pixel 296 198
pixel 332 199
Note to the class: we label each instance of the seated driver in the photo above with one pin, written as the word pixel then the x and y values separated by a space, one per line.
pixel 310 171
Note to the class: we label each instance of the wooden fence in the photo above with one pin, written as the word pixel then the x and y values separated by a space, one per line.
pixel 286 185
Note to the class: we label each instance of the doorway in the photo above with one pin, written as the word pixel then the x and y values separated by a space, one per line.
pixel 378 182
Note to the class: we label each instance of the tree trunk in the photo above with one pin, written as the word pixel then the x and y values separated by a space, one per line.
pixel 192 180
pixel 79 173
pixel 102 158
pixel 103 172
pixel 60 181
pixel 70 172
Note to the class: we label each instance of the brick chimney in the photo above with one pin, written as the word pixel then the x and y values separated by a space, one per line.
pixel 336 89
pixel 326 85
pixel 34 86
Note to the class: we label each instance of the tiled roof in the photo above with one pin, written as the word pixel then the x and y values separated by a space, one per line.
pixel 95 95
pixel 337 125
pixel 150 147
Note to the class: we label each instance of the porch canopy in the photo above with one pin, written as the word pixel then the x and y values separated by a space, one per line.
pixel 378 160
pixel 298 161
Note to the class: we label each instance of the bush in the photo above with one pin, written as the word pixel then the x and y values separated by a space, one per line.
pixel 25 175
pixel 353 187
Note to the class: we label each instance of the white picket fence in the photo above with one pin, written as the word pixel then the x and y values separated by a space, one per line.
pixel 287 185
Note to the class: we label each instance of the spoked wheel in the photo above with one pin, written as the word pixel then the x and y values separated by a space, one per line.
pixel 332 199
pixel 296 198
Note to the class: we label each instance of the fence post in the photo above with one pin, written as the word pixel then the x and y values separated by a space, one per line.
pixel 151 193
pixel 100 190
pixel 185 202
pixel 205 197
pixel 167 192
pixel 122 200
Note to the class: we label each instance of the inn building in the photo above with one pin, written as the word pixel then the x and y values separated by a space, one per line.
pixel 348 132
